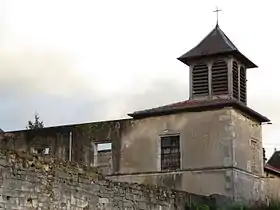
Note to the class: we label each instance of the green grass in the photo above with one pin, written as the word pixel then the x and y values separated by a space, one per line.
pixel 271 206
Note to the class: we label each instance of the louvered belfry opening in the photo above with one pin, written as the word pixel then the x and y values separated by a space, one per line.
pixel 219 78
pixel 200 80
pixel 235 87
pixel 243 94
pixel 227 68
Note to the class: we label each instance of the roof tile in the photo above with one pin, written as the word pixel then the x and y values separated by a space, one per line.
pixel 216 42
pixel 274 161
pixel 197 105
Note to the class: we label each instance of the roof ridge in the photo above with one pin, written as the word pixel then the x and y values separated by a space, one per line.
pixel 226 39
pixel 177 105
pixel 163 106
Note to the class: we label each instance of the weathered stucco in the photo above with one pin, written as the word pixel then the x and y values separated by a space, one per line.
pixel 245 130
pixel 247 177
pixel 215 145
pixel 204 137
pixel 57 139
pixel 208 182
pixel 248 187
pixel 271 183
pixel 272 186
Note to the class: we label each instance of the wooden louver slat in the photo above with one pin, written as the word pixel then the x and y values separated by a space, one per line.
pixel 219 78
pixel 200 80
pixel 235 80
pixel 243 94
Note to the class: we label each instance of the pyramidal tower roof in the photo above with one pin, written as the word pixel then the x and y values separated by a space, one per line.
pixel 215 43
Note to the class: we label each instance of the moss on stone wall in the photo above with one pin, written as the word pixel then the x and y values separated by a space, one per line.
pixel 44 164
pixel 35 182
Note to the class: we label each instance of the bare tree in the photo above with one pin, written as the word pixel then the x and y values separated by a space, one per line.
pixel 36 124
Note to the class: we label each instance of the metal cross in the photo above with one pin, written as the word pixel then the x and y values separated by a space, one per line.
pixel 217 11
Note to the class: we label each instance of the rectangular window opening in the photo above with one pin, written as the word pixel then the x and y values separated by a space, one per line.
pixel 103 157
pixel 254 156
pixel 104 147
pixel 41 151
pixel 170 153
pixel 47 151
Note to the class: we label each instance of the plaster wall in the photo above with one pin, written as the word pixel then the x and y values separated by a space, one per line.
pixel 272 186
pixel 216 153
pixel 248 187
pixel 205 141
pixel 246 130
pixel 207 183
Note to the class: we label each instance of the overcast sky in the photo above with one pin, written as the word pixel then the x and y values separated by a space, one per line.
pixel 77 61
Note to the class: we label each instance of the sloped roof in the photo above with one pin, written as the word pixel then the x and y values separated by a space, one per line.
pixel 274 161
pixel 198 105
pixel 272 169
pixel 273 164
pixel 215 43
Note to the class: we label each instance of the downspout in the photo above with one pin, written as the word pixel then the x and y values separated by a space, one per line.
pixel 70 146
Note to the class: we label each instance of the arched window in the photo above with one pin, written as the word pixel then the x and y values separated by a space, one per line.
pixel 219 78
pixel 243 95
pixel 235 87
pixel 200 80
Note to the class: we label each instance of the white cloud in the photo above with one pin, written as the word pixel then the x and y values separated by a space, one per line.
pixel 32 72
pixel 116 52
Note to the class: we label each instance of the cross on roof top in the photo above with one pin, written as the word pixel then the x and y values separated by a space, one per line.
pixel 217 12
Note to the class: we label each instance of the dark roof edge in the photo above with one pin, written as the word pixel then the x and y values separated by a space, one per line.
pixel 251 112
pixel 272 169
pixel 236 53
pixel 242 108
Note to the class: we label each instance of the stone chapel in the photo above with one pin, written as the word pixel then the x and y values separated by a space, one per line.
pixel 208 144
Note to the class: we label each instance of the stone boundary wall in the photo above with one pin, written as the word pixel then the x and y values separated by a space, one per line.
pixel 33 182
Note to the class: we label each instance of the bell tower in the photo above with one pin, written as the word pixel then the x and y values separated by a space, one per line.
pixel 215 121
pixel 217 69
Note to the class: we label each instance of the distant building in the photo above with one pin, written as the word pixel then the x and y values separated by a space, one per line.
pixel 272 174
